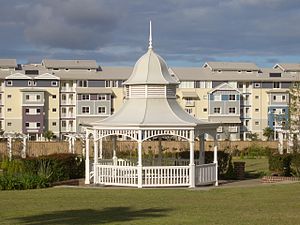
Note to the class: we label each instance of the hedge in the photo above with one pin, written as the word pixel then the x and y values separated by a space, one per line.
pixel 40 172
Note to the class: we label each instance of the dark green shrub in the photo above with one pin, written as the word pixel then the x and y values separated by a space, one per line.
pixel 22 182
pixel 223 159
pixel 295 165
pixel 280 164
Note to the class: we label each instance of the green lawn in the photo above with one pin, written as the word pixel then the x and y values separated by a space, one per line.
pixel 271 204
pixel 254 167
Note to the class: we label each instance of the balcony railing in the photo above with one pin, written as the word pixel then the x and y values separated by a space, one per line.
pixel 67 102
pixel 190 104
pixel 67 89
pixel 67 115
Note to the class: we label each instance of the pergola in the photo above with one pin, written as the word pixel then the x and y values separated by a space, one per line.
pixel 9 136
pixel 150 110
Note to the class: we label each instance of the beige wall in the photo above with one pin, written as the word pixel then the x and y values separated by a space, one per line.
pixel 15 103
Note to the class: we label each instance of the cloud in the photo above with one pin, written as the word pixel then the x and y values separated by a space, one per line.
pixel 185 32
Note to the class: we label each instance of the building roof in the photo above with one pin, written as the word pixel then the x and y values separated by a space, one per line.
pixel 70 64
pixel 8 63
pixel 232 66
pixel 288 67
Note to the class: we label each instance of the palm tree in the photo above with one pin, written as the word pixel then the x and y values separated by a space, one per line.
pixel 268 133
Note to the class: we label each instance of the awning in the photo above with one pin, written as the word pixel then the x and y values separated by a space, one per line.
pixel 189 94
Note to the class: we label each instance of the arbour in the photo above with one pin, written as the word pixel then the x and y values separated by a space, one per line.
pixel 150 110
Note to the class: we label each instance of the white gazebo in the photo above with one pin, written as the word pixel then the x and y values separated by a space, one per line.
pixel 150 110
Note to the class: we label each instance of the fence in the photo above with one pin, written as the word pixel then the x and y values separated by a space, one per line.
pixel 47 148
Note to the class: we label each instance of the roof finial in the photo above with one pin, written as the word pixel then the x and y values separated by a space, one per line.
pixel 150 36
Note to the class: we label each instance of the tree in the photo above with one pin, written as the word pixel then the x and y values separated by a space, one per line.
pixel 294 115
pixel 252 136
pixel 268 133
pixel 48 135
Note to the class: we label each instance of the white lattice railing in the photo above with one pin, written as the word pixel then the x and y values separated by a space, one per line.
pixel 116 175
pixel 205 174
pixel 166 176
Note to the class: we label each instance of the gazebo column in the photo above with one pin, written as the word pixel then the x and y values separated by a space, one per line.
pixel 101 148
pixel 87 159
pixel 140 161
pixel 202 149
pixel 159 151
pixel 280 142
pixel 192 161
pixel 216 158
pixel 24 144
pixel 95 158
pixel 114 146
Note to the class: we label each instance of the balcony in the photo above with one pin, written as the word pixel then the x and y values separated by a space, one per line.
pixel 232 129
pixel 68 129
pixel 245 102
pixel 67 115
pixel 67 102
pixel 67 89
pixel 190 103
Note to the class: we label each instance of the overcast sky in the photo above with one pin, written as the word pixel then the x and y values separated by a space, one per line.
pixel 185 32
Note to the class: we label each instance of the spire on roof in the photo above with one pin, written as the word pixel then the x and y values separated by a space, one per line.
pixel 150 36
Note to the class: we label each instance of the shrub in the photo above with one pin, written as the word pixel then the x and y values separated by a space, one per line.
pixel 280 164
pixel 295 165
pixel 22 182
pixel 223 159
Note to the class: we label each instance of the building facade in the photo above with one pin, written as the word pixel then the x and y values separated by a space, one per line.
pixel 59 95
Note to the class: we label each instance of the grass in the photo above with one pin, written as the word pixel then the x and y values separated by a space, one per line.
pixel 254 167
pixel 271 204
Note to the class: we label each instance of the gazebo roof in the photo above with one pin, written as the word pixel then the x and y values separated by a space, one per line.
pixel 152 113
pixel 156 107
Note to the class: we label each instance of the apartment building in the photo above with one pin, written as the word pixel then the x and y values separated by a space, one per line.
pixel 59 95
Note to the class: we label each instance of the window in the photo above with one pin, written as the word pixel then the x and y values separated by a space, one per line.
pixel 256 85
pixel 54 83
pixel 101 110
pixel 9 83
pixel 26 110
pixel 82 83
pixel 53 109
pixel 107 83
pixel 8 109
pixel 204 109
pixel 276 85
pixel 256 96
pixel 27 97
pixel 102 97
pixel 26 124
pixel 31 83
pixel 189 110
pixel 38 97
pixel 249 71
pixel 231 97
pixel 217 97
pixel 38 111
pixel 275 74
pixel 53 124
pixel 9 124
pixel 63 123
pixel 217 110
pixel 256 110
pixel 85 97
pixel 274 98
pixel 283 98
pixel 85 109
pixel 232 110
pixel 38 124
pixel 53 96
pixel 283 111
pixel 256 123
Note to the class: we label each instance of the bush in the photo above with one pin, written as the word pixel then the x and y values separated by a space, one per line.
pixel 223 159
pixel 280 164
pixel 295 165
pixel 40 172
